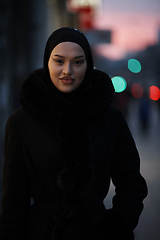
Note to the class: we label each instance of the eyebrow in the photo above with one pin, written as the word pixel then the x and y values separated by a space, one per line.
pixel 57 55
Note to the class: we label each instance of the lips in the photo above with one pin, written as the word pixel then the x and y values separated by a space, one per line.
pixel 67 80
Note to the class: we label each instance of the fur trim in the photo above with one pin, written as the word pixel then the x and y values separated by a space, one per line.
pixel 35 96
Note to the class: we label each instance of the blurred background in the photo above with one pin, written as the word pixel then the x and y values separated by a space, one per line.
pixel 125 40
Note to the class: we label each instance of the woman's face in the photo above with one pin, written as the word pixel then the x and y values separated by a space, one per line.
pixel 67 66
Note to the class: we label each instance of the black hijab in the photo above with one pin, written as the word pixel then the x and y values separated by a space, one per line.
pixel 68 34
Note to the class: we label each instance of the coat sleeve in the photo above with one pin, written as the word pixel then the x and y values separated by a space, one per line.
pixel 15 199
pixel 130 186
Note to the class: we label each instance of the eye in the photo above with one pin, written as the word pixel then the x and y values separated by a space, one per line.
pixel 58 61
pixel 78 62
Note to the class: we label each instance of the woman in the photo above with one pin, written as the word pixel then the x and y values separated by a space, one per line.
pixel 63 146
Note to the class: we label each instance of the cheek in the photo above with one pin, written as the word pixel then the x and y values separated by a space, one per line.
pixel 54 72
pixel 82 72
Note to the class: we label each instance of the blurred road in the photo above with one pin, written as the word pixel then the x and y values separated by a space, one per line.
pixel 148 144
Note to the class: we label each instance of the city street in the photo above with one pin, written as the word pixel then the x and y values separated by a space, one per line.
pixel 148 144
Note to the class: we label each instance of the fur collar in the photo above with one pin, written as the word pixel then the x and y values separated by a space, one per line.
pixel 35 96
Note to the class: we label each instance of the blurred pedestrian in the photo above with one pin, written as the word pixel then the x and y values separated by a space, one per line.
pixel 63 146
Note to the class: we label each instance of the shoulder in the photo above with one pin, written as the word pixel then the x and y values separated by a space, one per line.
pixel 16 118
pixel 119 117
pixel 17 114
pixel 120 125
pixel 110 121
pixel 114 113
pixel 115 121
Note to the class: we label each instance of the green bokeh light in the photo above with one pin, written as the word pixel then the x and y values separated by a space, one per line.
pixel 119 84
pixel 134 65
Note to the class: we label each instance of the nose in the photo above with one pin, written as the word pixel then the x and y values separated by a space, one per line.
pixel 67 70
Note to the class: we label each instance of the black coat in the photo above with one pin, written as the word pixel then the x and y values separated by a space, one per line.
pixel 33 159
